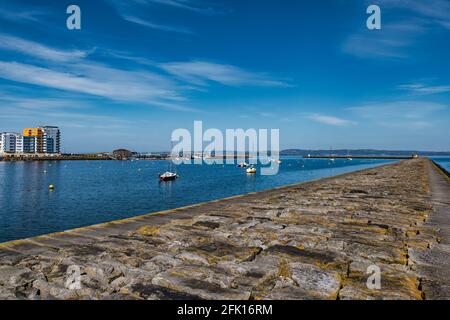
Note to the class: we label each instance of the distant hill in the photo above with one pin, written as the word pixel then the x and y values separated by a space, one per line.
pixel 362 152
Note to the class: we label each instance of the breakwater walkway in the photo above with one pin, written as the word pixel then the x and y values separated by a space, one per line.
pixel 314 240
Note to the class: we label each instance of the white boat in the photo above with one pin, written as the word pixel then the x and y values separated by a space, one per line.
pixel 243 165
pixel 251 170
pixel 348 156
pixel 168 176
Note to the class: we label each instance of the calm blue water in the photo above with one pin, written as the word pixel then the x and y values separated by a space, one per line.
pixel 89 192
pixel 443 161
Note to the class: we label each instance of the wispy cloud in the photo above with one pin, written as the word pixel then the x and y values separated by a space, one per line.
pixel 190 5
pixel 408 115
pixel 266 114
pixel 65 110
pixel 159 84
pixel 39 51
pixel 201 72
pixel 39 104
pixel 127 56
pixel 18 15
pixel 64 118
pixel 396 39
pixel 423 89
pixel 72 72
pixel 397 110
pixel 132 11
pixel 155 26
pixel 330 120
pixel 93 79
pixel 406 125
pixel 435 11
pixel 392 41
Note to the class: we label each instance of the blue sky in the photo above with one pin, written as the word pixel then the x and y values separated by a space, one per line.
pixel 139 69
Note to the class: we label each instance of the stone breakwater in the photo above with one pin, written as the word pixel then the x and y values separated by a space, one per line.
pixel 307 241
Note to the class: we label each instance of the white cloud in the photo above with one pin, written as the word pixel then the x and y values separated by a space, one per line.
pixel 155 26
pixel 132 11
pixel 128 56
pixel 423 89
pixel 407 115
pixel 194 6
pixel 395 39
pixel 200 72
pixel 389 42
pixel 64 119
pixel 160 84
pixel 39 51
pixel 330 120
pixel 406 125
pixel 436 11
pixel 67 112
pixel 17 15
pixel 412 110
pixel 72 72
pixel 97 80
pixel 39 104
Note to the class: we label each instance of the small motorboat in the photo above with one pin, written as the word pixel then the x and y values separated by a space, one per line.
pixel 168 176
pixel 243 165
pixel 251 170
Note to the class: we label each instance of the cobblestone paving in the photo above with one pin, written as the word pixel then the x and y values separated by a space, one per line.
pixel 307 241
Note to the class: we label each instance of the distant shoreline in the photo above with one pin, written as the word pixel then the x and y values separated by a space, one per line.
pixel 312 154
pixel 362 152
pixel 362 157
pixel 75 157
pixel 108 158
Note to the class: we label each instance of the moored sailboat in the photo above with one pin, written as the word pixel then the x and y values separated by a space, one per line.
pixel 168 176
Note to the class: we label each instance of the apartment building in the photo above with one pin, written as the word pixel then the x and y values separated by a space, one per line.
pixel 11 142
pixel 43 139
pixel 33 140
pixel 51 139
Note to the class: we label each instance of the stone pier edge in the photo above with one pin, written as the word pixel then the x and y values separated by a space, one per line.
pixel 441 169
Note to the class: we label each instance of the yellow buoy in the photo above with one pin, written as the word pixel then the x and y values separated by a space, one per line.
pixel 51 187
